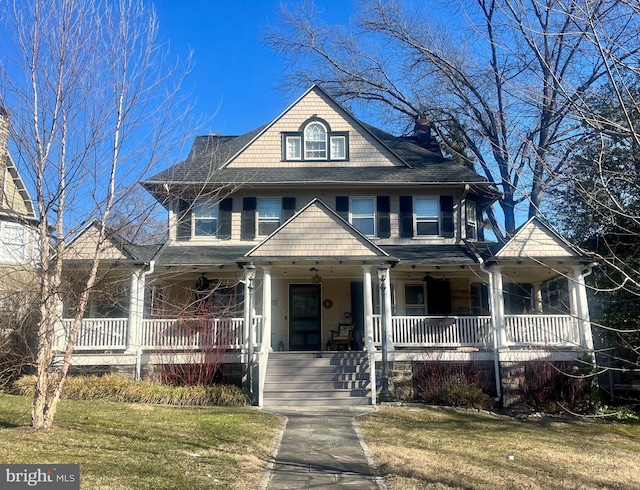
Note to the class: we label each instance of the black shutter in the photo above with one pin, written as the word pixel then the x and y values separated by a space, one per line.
pixel 342 207
pixel 224 218
pixel 288 208
pixel 446 210
pixel 406 216
pixel 384 220
pixel 249 206
pixel 184 220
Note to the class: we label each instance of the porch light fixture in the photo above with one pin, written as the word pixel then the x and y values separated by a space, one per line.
pixel 315 279
pixel 385 394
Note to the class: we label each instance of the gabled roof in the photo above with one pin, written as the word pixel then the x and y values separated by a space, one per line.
pixel 211 157
pixel 17 185
pixel 115 246
pixel 536 239
pixel 316 231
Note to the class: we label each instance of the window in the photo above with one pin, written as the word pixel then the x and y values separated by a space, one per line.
pixel 363 215
pixel 338 147
pixel 427 216
pixel 414 299
pixel 15 242
pixel 205 218
pixel 472 224
pixel 315 141
pixel 294 147
pixel 268 216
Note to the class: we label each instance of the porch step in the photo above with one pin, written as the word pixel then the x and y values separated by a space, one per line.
pixel 317 379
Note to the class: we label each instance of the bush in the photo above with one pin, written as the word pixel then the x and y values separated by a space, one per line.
pixel 558 386
pixel 439 383
pixel 116 388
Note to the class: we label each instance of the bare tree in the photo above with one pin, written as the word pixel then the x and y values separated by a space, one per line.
pixel 94 104
pixel 499 79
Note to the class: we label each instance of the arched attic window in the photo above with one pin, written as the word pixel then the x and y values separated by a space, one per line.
pixel 315 141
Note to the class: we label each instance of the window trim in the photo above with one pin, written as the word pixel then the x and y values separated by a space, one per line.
pixel 195 218
pixel 336 137
pixel 408 305
pixel 373 216
pixel 427 219
pixel 287 139
pixel 260 220
pixel 307 141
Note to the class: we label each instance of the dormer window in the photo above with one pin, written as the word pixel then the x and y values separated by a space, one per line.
pixel 315 142
pixel 294 147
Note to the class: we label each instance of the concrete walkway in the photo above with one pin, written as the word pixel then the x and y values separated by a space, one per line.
pixel 321 449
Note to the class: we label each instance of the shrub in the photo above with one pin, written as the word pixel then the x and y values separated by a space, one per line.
pixel 119 389
pixel 458 385
pixel 552 387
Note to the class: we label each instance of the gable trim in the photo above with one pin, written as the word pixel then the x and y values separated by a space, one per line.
pixel 321 204
pixel 337 106
pixel 538 222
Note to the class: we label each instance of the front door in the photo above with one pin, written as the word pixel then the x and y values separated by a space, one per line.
pixel 304 317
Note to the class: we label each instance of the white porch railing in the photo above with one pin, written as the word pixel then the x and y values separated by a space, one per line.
pixel 451 331
pixel 192 333
pixel 98 334
pixel 561 330
pixel 406 331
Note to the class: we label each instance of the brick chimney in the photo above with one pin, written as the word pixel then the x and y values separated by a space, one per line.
pixel 422 130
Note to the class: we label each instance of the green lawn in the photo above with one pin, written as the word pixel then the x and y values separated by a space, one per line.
pixel 129 446
pixel 420 448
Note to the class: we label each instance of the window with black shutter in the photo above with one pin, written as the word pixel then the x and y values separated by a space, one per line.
pixel 384 219
pixel 248 226
pixel 406 216
pixel 224 218
pixel 288 208
pixel 342 207
pixel 184 220
pixel 446 210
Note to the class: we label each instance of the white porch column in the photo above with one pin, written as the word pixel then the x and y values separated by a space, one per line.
pixel 537 297
pixel 498 303
pixel 136 299
pixel 388 313
pixel 582 308
pixel 368 328
pixel 266 309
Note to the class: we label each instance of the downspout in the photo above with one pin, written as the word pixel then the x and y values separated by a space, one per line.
pixel 494 325
pixel 143 280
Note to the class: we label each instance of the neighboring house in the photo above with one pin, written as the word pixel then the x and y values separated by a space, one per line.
pixel 18 250
pixel 317 232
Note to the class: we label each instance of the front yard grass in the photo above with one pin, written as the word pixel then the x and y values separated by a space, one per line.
pixel 421 448
pixel 135 446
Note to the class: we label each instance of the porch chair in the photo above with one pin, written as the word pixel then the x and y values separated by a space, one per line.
pixel 342 336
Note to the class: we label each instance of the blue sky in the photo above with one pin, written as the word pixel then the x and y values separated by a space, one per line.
pixel 235 75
